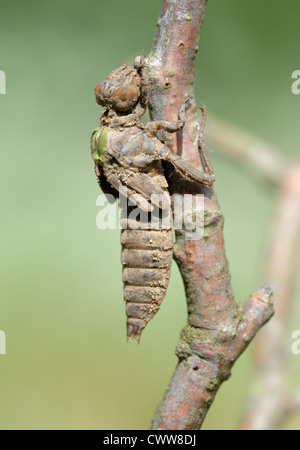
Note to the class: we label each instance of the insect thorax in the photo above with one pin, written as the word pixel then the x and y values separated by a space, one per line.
pixel 99 149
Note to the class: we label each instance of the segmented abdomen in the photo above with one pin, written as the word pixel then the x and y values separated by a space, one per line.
pixel 147 258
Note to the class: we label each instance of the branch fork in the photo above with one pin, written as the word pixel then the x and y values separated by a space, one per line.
pixel 218 330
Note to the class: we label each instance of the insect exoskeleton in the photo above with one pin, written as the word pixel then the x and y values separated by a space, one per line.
pixel 147 253
pixel 146 219
pixel 128 164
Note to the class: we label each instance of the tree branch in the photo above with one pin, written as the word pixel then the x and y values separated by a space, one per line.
pixel 269 403
pixel 292 405
pixel 254 153
pixel 218 331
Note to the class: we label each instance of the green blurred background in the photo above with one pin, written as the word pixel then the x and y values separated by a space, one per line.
pixel 68 365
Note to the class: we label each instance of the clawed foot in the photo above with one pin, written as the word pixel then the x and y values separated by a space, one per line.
pixel 183 108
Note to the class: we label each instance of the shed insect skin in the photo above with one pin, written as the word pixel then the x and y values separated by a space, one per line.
pixel 128 164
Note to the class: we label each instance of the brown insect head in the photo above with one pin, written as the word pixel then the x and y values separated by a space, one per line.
pixel 121 90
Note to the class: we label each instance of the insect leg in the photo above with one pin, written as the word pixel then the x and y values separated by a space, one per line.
pixel 190 172
pixel 202 146
pixel 185 168
pixel 145 85
pixel 170 127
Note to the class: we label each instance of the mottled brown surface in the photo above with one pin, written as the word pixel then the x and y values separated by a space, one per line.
pixel 128 164
pixel 218 330
pixel 147 258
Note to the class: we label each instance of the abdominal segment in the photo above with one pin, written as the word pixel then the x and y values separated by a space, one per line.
pixel 146 257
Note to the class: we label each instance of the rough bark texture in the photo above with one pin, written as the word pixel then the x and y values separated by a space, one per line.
pixel 218 330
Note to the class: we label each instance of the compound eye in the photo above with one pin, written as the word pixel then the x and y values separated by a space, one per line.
pixel 99 94
pixel 125 93
pixel 125 97
pixel 98 89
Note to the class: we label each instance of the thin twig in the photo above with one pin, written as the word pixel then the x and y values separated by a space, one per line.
pixel 262 158
pixel 292 406
pixel 218 330
pixel 269 403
